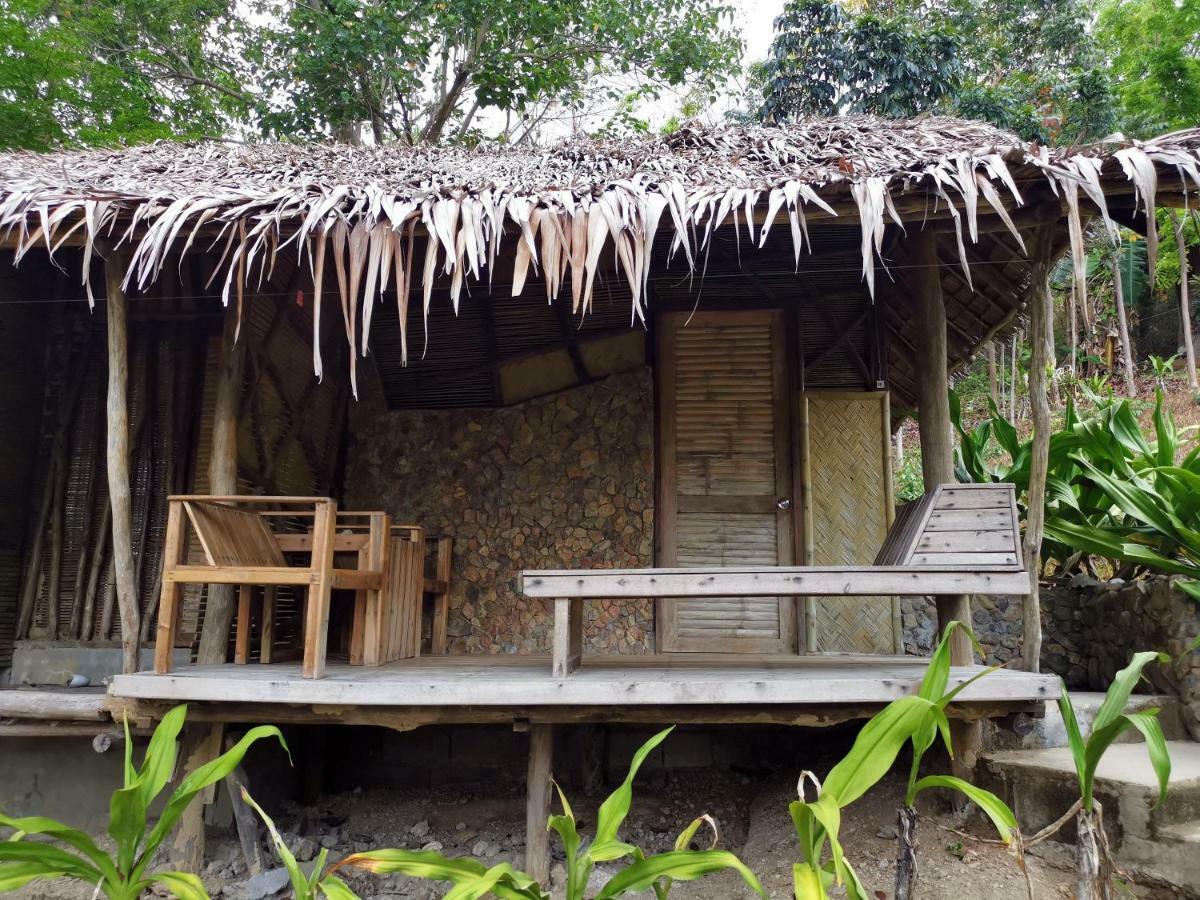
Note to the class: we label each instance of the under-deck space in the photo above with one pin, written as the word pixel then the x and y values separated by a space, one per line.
pixel 612 682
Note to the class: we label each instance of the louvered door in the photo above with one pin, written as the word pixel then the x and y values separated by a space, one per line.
pixel 724 473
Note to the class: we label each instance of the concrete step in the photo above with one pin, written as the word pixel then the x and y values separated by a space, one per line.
pixel 1028 733
pixel 1149 841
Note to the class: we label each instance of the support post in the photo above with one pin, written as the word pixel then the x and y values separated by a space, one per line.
pixel 117 452
pixel 222 480
pixel 1040 310
pixel 568 636
pixel 937 458
pixel 537 803
pixel 199 745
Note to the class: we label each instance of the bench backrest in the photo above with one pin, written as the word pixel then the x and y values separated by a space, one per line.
pixel 973 525
pixel 233 537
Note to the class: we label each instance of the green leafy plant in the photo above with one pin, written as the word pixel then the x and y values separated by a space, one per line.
pixel 934 689
pixel 320 883
pixel 1163 369
pixel 71 853
pixel 1094 867
pixel 658 871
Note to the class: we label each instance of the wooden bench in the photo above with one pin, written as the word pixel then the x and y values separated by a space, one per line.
pixel 240 547
pixel 957 539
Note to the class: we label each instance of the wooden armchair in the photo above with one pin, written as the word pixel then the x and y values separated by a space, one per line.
pixel 241 548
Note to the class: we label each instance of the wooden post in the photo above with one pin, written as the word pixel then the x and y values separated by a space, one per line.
pixel 537 802
pixel 1039 406
pixel 568 636
pixel 246 820
pixel 171 594
pixel 937 459
pixel 199 745
pixel 118 464
pixel 222 481
pixel 316 619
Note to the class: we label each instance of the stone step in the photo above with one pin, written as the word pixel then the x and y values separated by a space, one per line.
pixel 1028 733
pixel 1040 785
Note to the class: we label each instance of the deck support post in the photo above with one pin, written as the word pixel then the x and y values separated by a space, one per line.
pixel 568 636
pixel 537 802
pixel 937 456
pixel 199 745
pixel 120 500
pixel 222 479
pixel 1040 313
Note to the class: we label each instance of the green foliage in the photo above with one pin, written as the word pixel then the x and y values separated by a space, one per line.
pixel 1110 723
pixel 657 872
pixel 321 883
pixel 123 875
pixel 826 60
pixel 417 70
pixel 1153 55
pixel 1110 490
pixel 934 689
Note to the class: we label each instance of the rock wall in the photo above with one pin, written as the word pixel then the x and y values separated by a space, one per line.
pixel 996 622
pixel 565 481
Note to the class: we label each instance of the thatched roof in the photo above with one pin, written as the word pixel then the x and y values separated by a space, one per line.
pixel 564 206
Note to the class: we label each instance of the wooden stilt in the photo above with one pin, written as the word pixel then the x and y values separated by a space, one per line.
pixel 222 480
pixel 200 744
pixel 118 465
pixel 937 455
pixel 537 802
pixel 244 818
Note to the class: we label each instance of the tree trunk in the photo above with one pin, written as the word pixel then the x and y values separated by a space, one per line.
pixel 993 380
pixel 1185 303
pixel 1093 872
pixel 1074 340
pixel 1016 372
pixel 1123 327
pixel 118 466
pixel 906 853
pixel 222 480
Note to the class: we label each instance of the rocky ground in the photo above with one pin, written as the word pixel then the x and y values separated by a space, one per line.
pixel 487 822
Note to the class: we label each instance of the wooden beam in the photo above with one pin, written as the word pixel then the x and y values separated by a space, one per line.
pixel 222 479
pixel 568 636
pixel 117 455
pixel 1041 309
pixel 537 802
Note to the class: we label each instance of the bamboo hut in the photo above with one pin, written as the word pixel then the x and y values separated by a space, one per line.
pixel 643 389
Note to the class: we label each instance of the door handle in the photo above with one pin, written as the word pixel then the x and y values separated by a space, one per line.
pixel 784 503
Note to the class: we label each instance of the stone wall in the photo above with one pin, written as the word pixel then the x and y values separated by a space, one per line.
pixel 1091 629
pixel 564 481
pixel 996 622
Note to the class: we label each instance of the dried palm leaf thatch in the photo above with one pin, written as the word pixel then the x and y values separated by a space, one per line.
pixel 565 204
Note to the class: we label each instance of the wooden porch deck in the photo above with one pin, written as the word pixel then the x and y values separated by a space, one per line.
pixel 604 683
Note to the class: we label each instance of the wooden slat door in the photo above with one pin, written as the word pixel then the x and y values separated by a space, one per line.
pixel 725 473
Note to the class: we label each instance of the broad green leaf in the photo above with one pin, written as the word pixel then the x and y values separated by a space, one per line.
pixel 1074 735
pixel 806 882
pixel 159 762
pixel 416 863
pixel 72 837
pixel 498 876
pixel 196 781
pixel 1002 817
pixel 614 809
pixel 679 865
pixel 49 857
pixel 336 889
pixel 1191 588
pixel 685 837
pixel 564 826
pixel 875 749
pixel 1156 746
pixel 14 875
pixel 300 884
pixel 1097 745
pixel 1117 696
pixel 183 885
pixel 1164 430
pixel 825 810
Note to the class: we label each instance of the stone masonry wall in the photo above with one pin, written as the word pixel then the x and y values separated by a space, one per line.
pixel 1091 629
pixel 565 481
pixel 996 622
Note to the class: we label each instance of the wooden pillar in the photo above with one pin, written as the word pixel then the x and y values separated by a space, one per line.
pixel 537 803
pixel 222 480
pixel 1040 310
pixel 117 453
pixel 199 745
pixel 933 409
pixel 937 458
pixel 568 636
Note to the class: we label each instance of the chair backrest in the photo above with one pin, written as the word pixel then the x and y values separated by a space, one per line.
pixel 233 537
pixel 958 525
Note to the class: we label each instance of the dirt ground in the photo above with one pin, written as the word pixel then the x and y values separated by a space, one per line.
pixel 488 822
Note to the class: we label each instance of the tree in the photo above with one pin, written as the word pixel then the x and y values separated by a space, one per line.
pixel 83 72
pixel 1155 61
pixel 419 71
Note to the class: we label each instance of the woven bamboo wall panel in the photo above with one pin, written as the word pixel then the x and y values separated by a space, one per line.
pixel 850 499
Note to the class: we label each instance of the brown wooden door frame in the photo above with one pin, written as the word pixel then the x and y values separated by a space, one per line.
pixel 669 502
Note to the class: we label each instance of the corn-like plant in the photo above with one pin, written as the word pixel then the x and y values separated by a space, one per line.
pixel 321 883
pixel 71 853
pixel 1093 866
pixel 933 688
pixel 657 872
pixel 818 821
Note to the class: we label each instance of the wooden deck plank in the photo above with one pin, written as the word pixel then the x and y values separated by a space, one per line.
pixel 599 681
